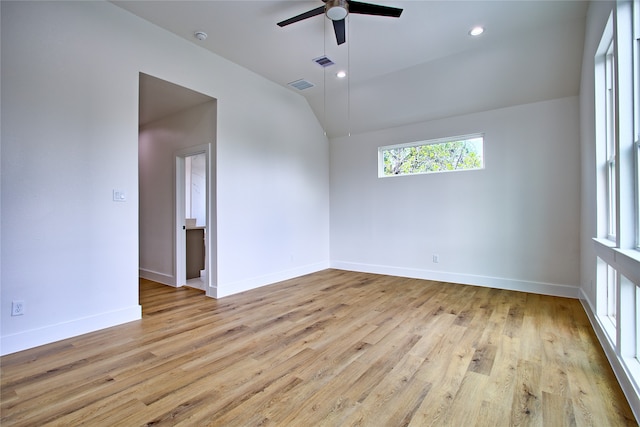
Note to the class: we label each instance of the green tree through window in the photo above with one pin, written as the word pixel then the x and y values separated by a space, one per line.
pixel 436 156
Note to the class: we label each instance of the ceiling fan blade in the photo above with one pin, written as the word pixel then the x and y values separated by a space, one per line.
pixel 309 14
pixel 373 9
pixel 338 27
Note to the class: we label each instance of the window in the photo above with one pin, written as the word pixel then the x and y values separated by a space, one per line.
pixel 610 125
pixel 617 240
pixel 637 324
pixel 636 113
pixel 612 295
pixel 440 155
pixel 607 298
pixel 637 184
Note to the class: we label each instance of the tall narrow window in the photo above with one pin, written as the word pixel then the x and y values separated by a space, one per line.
pixel 637 325
pixel 610 103
pixel 637 184
pixel 636 112
pixel 612 294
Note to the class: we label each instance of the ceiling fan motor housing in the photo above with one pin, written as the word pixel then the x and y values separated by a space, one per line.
pixel 337 10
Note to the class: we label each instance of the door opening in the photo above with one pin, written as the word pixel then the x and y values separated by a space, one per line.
pixel 193 220
pixel 173 120
pixel 195 191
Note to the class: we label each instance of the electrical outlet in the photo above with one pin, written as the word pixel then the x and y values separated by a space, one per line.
pixel 17 308
pixel 436 258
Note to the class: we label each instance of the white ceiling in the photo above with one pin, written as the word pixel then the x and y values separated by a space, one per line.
pixel 418 67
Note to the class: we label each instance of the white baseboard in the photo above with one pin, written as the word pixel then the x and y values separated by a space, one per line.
pixel 165 279
pixel 226 289
pixel 620 368
pixel 465 279
pixel 60 331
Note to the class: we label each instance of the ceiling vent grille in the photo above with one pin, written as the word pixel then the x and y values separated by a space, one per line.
pixel 324 62
pixel 301 84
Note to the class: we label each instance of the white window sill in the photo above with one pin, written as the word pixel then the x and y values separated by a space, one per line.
pixel 605 242
pixel 628 264
pixel 625 261
pixel 632 254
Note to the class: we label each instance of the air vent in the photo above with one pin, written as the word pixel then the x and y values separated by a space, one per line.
pixel 301 84
pixel 324 62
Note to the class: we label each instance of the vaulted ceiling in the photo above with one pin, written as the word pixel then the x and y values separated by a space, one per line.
pixel 421 66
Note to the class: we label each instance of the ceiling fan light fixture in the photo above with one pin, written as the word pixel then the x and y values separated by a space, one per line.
pixel 337 10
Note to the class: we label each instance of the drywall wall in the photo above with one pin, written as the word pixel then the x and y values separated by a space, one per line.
pixel 512 225
pixel 70 137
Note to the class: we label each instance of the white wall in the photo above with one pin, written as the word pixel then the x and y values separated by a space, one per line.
pixel 70 136
pixel 159 142
pixel 513 225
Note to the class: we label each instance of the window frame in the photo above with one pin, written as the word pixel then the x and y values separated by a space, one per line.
pixel 617 249
pixel 635 12
pixel 611 145
pixel 611 310
pixel 381 150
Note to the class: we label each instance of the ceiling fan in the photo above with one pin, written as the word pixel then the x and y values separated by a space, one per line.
pixel 337 11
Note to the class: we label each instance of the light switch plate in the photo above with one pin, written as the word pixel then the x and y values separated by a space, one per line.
pixel 119 196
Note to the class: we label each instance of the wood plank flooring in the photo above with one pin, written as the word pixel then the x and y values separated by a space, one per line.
pixel 333 348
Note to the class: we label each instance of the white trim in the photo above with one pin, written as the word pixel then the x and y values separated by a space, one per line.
pixel 179 249
pixel 434 141
pixel 620 368
pixel 165 279
pixel 625 261
pixel 635 54
pixel 559 290
pixel 36 337
pixel 227 289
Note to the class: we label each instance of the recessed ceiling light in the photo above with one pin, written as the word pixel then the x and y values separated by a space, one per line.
pixel 341 74
pixel 476 31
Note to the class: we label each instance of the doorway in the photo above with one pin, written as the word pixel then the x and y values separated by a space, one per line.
pixel 192 217
pixel 177 126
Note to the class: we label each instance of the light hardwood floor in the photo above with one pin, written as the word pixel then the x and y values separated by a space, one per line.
pixel 332 348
